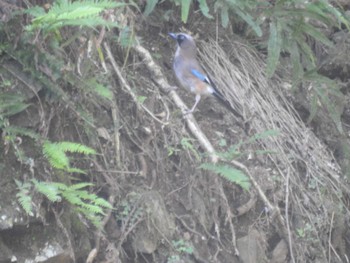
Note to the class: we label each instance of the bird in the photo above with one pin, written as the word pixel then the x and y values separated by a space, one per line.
pixel 191 75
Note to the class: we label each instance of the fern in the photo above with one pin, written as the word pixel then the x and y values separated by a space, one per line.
pixel 231 174
pixel 49 190
pixel 11 104
pixel 89 204
pixel 23 196
pixel 234 151
pixel 14 131
pixel 56 154
pixel 68 13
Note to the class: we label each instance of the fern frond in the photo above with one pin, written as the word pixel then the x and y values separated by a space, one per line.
pixel 56 154
pixel 95 219
pixel 93 208
pixel 102 202
pixel 22 131
pixel 75 148
pixel 23 197
pixel 229 173
pixel 11 104
pixel 49 190
pixel 26 202
pixel 79 186
pixel 77 13
pixel 72 198
pixel 60 186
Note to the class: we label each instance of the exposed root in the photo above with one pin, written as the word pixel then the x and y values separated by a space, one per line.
pixel 125 84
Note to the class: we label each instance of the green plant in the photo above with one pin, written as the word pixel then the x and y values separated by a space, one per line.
pixel 174 259
pixel 185 8
pixel 305 232
pixel 187 145
pixel 89 204
pixel 182 246
pixel 235 152
pixel 293 27
pixel 56 154
pixel 231 174
pixel 11 104
pixel 72 13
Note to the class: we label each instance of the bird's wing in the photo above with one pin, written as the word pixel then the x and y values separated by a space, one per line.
pixel 201 76
pixel 205 78
pixel 216 92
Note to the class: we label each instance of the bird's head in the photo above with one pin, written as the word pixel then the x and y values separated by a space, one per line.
pixel 185 42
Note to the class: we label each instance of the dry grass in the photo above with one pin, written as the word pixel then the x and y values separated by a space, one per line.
pixel 309 175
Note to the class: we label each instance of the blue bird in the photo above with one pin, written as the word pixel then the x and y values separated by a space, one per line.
pixel 191 75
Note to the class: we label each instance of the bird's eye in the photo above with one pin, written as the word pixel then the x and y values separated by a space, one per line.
pixel 180 39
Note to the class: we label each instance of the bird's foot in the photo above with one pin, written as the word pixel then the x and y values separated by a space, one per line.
pixel 171 88
pixel 186 112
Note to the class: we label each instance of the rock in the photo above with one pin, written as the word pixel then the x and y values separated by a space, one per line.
pixel 280 252
pixel 251 248
pixel 5 253
pixel 158 224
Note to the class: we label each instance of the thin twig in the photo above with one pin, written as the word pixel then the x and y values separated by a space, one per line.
pixel 287 217
pixel 330 238
pixel 126 85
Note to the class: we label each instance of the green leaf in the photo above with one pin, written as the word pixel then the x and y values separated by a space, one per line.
pixel 274 47
pixel 316 34
pixel 141 99
pixel 204 8
pixel 14 130
pixel 343 19
pixel 224 17
pixel 307 51
pixel 297 67
pixel 186 144
pixel 313 108
pixel 79 186
pixel 150 5
pixel 49 190
pixel 103 203
pixel 79 13
pixel 229 173
pixel 103 91
pixel 185 9
pixel 250 21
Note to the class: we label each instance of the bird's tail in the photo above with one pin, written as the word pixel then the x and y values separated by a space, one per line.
pixel 227 105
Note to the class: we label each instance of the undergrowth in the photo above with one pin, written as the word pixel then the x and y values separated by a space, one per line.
pixel 291 28
pixel 90 205
pixel 226 170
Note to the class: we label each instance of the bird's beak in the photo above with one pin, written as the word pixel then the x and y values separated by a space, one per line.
pixel 173 35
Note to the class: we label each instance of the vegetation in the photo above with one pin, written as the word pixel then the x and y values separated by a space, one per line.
pixel 56 52
pixel 89 205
